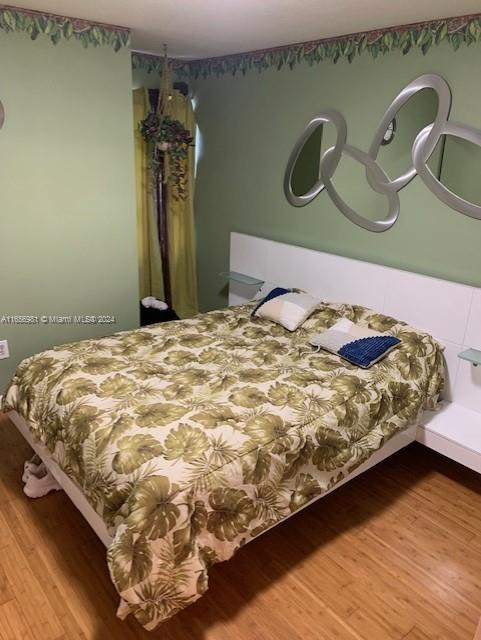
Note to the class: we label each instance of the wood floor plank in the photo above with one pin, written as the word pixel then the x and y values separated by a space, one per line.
pixel 417 536
pixel 13 625
pixel 478 632
pixel 29 595
pixel 417 634
pixel 456 508
pixel 456 523
pixel 433 596
pixel 393 555
pixel 396 600
pixel 5 531
pixel 6 593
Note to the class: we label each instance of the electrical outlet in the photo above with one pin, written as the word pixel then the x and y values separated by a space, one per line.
pixel 4 352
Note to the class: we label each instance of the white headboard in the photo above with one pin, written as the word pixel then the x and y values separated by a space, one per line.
pixel 449 311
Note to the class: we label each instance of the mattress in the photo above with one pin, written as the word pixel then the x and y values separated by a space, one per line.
pixel 191 438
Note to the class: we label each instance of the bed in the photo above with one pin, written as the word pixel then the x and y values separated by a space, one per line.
pixel 189 439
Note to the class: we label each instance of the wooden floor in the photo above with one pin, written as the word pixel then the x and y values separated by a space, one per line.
pixel 395 554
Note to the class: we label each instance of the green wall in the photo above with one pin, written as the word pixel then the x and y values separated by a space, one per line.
pixel 249 125
pixel 67 203
pixel 141 78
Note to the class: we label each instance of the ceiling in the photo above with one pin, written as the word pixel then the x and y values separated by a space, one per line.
pixel 203 28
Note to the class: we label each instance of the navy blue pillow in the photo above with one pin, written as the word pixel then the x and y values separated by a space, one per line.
pixel 275 293
pixel 367 351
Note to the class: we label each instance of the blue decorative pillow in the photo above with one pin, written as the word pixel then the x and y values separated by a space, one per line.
pixel 366 351
pixel 358 345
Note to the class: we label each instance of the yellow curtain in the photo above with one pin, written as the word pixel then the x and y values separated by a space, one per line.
pixel 180 224
pixel 150 265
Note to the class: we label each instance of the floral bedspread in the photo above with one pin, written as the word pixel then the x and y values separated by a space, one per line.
pixel 191 438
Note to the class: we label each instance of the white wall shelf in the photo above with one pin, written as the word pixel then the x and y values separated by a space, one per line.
pixel 471 355
pixel 235 276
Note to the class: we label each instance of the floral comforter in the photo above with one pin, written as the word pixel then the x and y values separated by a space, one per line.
pixel 193 437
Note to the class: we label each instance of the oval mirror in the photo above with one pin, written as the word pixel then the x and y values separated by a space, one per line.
pixel 456 180
pixel 426 100
pixel 302 178
pixel 305 172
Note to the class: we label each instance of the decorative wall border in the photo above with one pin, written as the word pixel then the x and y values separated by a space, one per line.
pixel 57 28
pixel 422 35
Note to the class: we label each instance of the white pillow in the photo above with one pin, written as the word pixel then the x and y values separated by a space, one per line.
pixel 288 309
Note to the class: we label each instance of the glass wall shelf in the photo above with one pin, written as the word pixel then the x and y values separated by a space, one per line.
pixel 471 355
pixel 241 277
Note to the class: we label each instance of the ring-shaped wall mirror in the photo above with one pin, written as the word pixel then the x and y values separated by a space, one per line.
pixel 309 145
pixel 414 106
pixel 447 157
pixel 453 169
pixel 379 178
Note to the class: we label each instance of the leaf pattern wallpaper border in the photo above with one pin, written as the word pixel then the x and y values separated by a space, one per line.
pixel 423 35
pixel 57 28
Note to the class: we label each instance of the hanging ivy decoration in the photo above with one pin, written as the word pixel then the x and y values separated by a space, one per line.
pixel 166 136
pixel 464 30
pixel 57 28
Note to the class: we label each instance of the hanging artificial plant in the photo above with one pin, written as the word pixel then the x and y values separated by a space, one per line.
pixel 168 141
